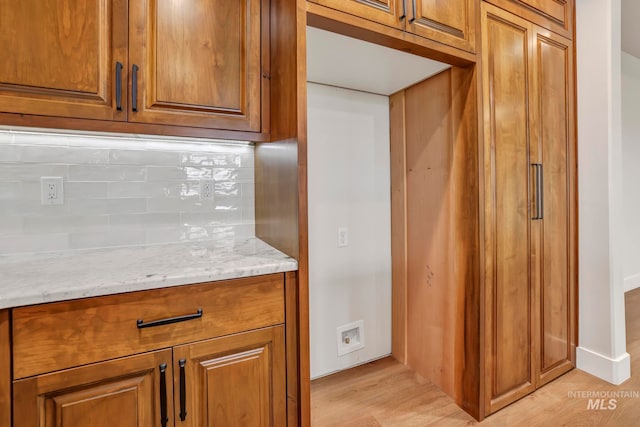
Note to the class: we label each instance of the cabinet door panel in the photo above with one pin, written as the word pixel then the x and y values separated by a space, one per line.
pixel 124 392
pixel 507 194
pixel 233 381
pixel 554 15
pixel 385 12
pixel 62 57
pixel 200 65
pixel 451 22
pixel 553 73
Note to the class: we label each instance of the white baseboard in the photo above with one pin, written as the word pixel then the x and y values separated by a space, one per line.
pixel 632 282
pixel 615 371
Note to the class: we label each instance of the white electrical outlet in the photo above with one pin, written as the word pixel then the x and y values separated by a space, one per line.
pixel 343 237
pixel 51 190
pixel 206 189
pixel 350 337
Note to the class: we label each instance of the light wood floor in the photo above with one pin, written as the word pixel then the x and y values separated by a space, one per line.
pixel 385 393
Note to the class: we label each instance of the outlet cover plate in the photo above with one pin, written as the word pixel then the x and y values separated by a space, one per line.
pixel 355 332
pixel 51 190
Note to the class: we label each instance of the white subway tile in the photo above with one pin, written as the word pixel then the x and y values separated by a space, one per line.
pixel 145 220
pixel 10 190
pixel 164 235
pixel 210 159
pixel 40 138
pixel 166 173
pixel 30 172
pixel 9 153
pixel 209 218
pixel 6 136
pixel 106 173
pixel 144 157
pixel 10 225
pixel 233 174
pixel 178 205
pixel 18 207
pixel 64 224
pixel 85 190
pixel 101 240
pixel 248 189
pixel 106 206
pixel 64 155
pixel 17 243
pixel 227 188
pixel 247 160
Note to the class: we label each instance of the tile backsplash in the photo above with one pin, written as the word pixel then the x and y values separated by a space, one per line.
pixel 121 190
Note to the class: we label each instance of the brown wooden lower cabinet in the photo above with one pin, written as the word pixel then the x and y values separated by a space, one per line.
pixel 210 354
pixel 126 392
pixel 231 381
pixel 237 380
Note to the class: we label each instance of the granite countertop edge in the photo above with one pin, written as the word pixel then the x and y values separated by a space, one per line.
pixel 45 278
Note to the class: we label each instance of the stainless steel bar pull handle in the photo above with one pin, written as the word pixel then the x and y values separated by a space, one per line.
pixel 539 185
pixel 404 10
pixel 413 18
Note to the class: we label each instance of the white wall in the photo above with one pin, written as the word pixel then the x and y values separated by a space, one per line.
pixel 631 169
pixel 349 186
pixel 602 335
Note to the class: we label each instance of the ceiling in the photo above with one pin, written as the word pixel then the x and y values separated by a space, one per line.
pixel 346 62
pixel 630 33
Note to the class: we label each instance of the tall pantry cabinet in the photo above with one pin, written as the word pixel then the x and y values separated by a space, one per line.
pixel 529 206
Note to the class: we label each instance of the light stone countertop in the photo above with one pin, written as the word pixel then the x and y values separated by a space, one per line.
pixel 35 279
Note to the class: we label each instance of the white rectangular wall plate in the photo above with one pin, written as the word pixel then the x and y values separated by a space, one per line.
pixel 51 190
pixel 350 337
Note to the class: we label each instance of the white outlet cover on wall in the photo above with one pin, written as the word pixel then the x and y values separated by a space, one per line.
pixel 350 337
pixel 51 190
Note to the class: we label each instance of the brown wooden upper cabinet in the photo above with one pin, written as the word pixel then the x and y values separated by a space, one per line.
pixel 554 15
pixel 202 64
pixel 451 22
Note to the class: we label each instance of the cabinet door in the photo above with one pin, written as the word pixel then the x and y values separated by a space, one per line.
pixel 128 392
pixel 237 380
pixel 553 114
pixel 554 15
pixel 451 22
pixel 387 12
pixel 509 295
pixel 59 57
pixel 199 64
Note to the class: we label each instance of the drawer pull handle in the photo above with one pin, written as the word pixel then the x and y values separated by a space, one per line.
pixel 142 324
pixel 164 418
pixel 183 390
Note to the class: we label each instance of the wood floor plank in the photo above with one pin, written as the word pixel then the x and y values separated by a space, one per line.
pixel 384 393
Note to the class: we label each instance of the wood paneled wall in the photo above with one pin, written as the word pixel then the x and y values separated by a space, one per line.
pixel 435 239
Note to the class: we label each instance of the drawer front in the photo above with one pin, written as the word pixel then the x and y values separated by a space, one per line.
pixel 55 336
